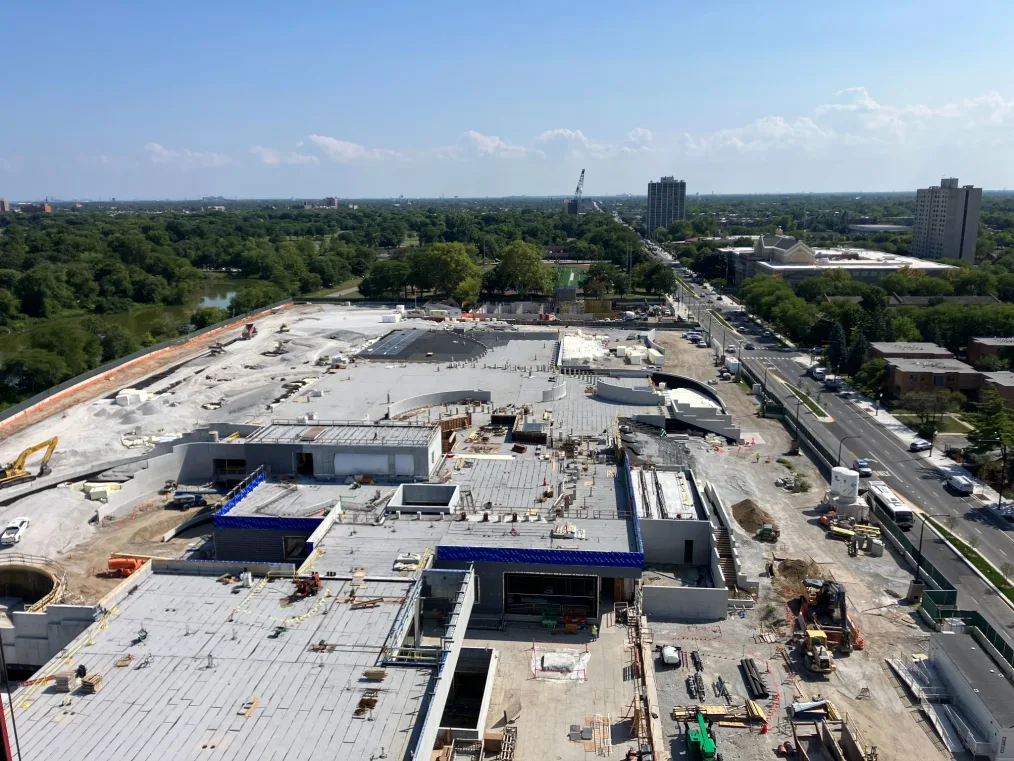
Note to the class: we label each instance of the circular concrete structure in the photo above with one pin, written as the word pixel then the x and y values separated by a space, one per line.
pixel 38 584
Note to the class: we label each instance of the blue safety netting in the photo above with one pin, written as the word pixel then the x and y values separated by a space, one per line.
pixel 549 557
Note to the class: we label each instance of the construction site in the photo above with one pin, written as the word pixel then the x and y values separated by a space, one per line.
pixel 361 532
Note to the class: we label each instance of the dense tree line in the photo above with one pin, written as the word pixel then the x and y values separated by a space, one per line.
pixel 104 260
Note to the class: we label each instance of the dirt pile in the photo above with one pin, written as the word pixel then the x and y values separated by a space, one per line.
pixel 789 575
pixel 750 516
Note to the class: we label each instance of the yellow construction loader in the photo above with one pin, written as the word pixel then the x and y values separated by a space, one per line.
pixel 815 653
pixel 14 473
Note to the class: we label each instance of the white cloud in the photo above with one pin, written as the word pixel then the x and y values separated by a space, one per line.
pixel 342 151
pixel 274 158
pixel 185 158
pixel 492 145
pixel 640 136
pixel 769 132
pixel 472 145
pixel 580 146
pixel 898 121
pixel 856 118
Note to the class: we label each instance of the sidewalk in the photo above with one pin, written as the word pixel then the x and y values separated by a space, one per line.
pixel 986 494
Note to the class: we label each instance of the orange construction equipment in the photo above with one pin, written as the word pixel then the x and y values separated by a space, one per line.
pixel 124 566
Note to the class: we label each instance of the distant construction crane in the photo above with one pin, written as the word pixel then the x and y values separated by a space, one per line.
pixel 574 205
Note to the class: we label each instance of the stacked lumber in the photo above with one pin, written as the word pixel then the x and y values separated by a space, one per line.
pixel 91 683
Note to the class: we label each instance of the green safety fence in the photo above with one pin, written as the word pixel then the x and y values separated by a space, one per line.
pixel 942 603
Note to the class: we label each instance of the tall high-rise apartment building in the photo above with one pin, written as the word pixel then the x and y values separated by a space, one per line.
pixel 667 202
pixel 946 221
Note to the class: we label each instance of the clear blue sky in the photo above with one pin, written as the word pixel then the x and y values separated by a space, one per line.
pixel 265 99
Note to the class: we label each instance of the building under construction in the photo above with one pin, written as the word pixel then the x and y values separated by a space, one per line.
pixel 381 545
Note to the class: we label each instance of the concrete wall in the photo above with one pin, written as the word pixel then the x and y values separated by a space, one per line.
pixel 725 516
pixel 558 391
pixel 663 540
pixel 441 685
pixel 197 459
pixel 146 483
pixel 35 638
pixel 435 399
pixel 684 603
pixel 626 395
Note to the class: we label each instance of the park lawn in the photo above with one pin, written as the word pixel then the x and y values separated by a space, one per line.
pixel 947 423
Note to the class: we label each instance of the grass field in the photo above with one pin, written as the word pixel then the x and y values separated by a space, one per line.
pixel 947 423
pixel 570 275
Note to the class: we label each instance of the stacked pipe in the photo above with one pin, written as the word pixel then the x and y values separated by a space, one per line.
pixel 754 682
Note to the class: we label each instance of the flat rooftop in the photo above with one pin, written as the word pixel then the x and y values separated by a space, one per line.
pixel 994 340
pixel 909 347
pixel 343 433
pixel 226 672
pixel 666 494
pixel 985 676
pixel 421 345
pixel 1002 378
pixel 598 520
pixel 291 500
pixel 930 365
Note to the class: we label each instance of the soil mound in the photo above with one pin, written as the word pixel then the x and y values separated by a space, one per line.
pixel 789 575
pixel 750 516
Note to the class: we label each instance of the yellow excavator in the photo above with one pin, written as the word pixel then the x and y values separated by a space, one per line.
pixel 14 473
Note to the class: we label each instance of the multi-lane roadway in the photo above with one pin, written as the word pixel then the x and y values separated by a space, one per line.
pixel 856 434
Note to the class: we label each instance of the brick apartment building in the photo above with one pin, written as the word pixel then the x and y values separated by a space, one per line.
pixel 988 346
pixel 1002 382
pixel 906 376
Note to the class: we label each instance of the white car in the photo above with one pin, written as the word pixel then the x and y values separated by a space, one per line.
pixel 961 484
pixel 670 656
pixel 14 531
pixel 702 344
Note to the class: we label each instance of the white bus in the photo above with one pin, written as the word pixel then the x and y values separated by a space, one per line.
pixel 880 494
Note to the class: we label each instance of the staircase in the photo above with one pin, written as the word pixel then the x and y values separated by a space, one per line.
pixel 724 548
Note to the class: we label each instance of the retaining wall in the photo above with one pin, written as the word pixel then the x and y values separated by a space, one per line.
pixel 684 603
pixel 435 399
pixel 725 516
pixel 72 385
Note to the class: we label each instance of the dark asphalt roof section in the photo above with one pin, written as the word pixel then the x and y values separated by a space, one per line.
pixel 424 346
pixel 985 676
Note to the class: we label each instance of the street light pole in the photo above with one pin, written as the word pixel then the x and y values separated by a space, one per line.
pixel 837 460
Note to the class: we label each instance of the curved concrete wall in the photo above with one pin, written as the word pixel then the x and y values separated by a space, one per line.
pixel 649 341
pixel 682 381
pixel 558 391
pixel 626 395
pixel 436 398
